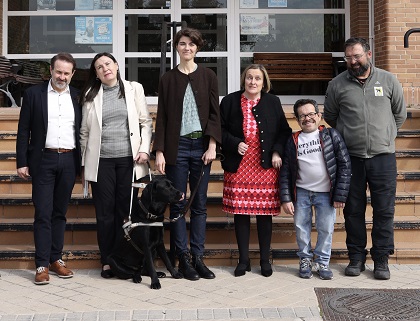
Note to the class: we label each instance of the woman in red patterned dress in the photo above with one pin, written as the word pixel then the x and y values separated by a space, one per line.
pixel 254 132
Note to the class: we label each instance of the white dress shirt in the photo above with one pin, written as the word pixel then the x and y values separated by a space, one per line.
pixel 60 133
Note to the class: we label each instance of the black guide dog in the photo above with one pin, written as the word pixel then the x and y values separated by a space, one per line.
pixel 135 251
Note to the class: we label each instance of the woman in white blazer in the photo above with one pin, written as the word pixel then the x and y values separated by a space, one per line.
pixel 115 136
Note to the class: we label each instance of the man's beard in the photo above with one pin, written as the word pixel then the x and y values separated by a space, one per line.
pixel 357 72
pixel 60 84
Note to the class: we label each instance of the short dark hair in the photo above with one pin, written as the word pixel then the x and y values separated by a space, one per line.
pixel 65 56
pixel 191 33
pixel 357 41
pixel 301 102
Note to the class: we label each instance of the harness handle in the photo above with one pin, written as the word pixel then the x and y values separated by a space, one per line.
pixel 137 185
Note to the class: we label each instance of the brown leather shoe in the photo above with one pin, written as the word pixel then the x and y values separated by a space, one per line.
pixel 59 268
pixel 41 276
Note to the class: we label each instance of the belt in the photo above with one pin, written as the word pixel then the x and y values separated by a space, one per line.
pixel 58 150
pixel 194 135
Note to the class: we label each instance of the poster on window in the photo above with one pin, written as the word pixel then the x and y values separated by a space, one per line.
pixel 277 3
pixel 92 4
pixel 248 4
pixel 83 5
pixel 46 4
pixel 254 24
pixel 102 4
pixel 93 30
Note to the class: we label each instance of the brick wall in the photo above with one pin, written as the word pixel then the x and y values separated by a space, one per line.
pixel 394 18
pixel 359 18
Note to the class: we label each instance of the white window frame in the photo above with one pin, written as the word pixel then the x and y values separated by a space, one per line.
pixel 119 12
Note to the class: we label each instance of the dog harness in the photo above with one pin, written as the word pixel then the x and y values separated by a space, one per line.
pixel 128 226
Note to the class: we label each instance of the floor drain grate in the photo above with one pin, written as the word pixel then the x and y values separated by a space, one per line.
pixel 369 304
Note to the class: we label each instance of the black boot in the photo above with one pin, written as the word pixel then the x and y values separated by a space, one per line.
pixel 266 269
pixel 241 268
pixel 186 268
pixel 381 269
pixel 201 268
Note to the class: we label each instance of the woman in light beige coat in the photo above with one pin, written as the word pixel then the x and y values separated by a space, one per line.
pixel 115 135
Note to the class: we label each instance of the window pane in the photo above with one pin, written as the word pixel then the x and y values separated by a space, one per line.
pixel 147 4
pixel 203 4
pixel 82 72
pixel 40 68
pixel 219 66
pixel 213 28
pixel 300 4
pixel 145 71
pixel 143 33
pixel 293 88
pixel 58 5
pixel 51 34
pixel 298 33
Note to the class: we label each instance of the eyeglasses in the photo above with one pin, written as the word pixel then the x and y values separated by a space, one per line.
pixel 310 115
pixel 355 57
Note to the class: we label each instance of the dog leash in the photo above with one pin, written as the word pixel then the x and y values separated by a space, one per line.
pixel 188 205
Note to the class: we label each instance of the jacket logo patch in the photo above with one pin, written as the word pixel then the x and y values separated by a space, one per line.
pixel 379 92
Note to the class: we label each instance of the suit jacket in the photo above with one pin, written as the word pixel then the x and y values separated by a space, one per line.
pixel 33 127
pixel 139 125
pixel 273 128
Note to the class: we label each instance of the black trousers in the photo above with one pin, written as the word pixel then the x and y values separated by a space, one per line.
pixel 380 174
pixel 111 198
pixel 51 193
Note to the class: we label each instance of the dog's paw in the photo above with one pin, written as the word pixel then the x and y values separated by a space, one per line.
pixel 161 275
pixel 155 285
pixel 137 278
pixel 177 275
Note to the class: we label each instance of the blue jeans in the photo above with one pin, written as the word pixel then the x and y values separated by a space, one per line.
pixel 324 223
pixel 188 169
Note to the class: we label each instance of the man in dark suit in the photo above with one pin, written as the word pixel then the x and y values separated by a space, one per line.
pixel 48 150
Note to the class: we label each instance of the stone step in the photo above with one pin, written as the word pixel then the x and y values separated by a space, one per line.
pixel 407 160
pixel 16 212
pixel 406 139
pixel 87 256
pixel 10 183
pixel 20 206
pixel 16 241
pixel 9 117
pixel 219 230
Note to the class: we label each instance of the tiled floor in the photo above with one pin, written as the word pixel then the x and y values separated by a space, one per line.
pixel 283 296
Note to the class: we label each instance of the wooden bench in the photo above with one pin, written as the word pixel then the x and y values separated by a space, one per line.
pixel 7 76
pixel 20 72
pixel 30 73
pixel 296 66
